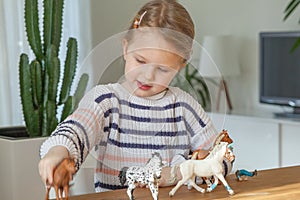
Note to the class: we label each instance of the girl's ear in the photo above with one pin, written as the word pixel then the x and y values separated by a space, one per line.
pixel 125 48
pixel 184 63
pixel 185 60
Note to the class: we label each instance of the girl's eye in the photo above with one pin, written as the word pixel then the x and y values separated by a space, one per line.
pixel 163 69
pixel 140 61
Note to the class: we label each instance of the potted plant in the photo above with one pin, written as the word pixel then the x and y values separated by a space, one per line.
pixel 289 10
pixel 41 98
pixel 190 81
pixel 39 79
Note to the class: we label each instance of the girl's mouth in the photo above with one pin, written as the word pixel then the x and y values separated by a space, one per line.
pixel 143 86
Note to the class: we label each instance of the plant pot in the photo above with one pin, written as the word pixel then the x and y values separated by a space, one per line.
pixel 14 132
pixel 19 174
pixel 19 167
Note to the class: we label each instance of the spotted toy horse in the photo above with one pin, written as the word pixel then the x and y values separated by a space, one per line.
pixel 146 175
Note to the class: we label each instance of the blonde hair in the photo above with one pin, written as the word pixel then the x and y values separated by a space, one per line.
pixel 168 15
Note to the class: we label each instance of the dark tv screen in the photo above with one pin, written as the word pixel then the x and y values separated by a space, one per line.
pixel 279 68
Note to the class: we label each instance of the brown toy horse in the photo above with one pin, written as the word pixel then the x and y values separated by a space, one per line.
pixel 223 137
pixel 63 174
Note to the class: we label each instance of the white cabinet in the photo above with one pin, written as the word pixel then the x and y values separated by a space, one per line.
pixel 262 142
pixel 256 143
pixel 290 144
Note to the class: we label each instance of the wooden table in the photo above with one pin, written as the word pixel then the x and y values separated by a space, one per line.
pixel 282 183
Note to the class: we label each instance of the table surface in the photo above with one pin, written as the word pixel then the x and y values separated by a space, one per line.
pixel 281 183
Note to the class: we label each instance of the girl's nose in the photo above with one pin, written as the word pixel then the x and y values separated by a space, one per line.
pixel 149 72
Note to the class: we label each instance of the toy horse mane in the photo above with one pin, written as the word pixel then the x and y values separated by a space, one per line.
pixel 217 148
pixel 223 136
pixel 155 154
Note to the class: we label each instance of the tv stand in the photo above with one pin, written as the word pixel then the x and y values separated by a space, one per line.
pixel 292 115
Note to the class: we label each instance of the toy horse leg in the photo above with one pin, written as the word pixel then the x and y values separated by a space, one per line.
pixel 56 192
pixel 214 185
pixel 47 193
pixel 189 185
pixel 207 181
pixel 197 187
pixel 154 190
pixel 66 191
pixel 131 187
pixel 61 190
pixel 222 179
pixel 180 183
pixel 60 193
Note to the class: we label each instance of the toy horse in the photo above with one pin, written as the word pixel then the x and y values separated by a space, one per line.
pixel 223 137
pixel 63 174
pixel 211 166
pixel 146 175
pixel 242 174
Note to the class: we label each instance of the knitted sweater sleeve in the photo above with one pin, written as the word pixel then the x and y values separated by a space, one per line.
pixel 80 131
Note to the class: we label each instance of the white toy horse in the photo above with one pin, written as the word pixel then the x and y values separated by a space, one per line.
pixel 146 175
pixel 210 166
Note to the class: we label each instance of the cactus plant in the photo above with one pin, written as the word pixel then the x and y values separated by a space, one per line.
pixel 39 79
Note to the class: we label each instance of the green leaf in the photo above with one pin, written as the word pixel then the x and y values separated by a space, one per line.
pixel 32 28
pixel 193 83
pixel 203 99
pixel 81 87
pixel 51 116
pixel 48 12
pixel 39 82
pixel 69 107
pixel 31 114
pixel 53 17
pixel 290 8
pixel 33 74
pixel 296 45
pixel 53 73
pixel 57 19
pixel 69 71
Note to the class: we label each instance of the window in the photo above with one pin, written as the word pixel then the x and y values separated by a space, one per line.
pixel 13 42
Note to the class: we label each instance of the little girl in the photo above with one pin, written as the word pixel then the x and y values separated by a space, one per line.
pixel 126 122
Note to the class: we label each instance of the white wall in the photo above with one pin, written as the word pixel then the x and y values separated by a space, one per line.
pixel 243 19
pixel 111 17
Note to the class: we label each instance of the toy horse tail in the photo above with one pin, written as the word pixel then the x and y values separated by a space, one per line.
pixel 122 175
pixel 173 175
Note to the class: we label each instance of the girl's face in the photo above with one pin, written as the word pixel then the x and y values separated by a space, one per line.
pixel 149 71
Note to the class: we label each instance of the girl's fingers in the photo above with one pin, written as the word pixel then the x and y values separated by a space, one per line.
pixel 48 163
pixel 49 175
pixel 42 173
pixel 46 172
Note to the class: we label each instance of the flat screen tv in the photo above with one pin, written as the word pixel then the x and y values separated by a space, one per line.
pixel 280 71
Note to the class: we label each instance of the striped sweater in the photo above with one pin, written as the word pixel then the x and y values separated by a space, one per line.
pixel 120 129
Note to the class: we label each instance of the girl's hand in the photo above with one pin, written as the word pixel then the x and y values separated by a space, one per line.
pixel 166 176
pixel 47 165
pixel 202 153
